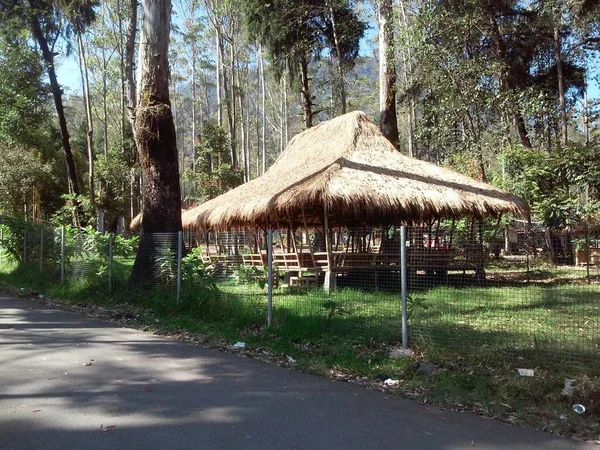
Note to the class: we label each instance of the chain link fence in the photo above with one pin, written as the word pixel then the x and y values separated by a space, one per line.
pixel 500 293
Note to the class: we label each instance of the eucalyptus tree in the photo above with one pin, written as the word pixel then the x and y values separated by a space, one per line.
pixel 154 133
pixel 45 20
pixel 388 120
pixel 295 33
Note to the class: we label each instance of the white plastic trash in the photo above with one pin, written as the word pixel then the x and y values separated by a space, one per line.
pixel 239 344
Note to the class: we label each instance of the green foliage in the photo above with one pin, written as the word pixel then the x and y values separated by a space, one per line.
pixel 562 187
pixel 298 31
pixel 249 275
pixel 85 209
pixel 214 174
pixel 196 272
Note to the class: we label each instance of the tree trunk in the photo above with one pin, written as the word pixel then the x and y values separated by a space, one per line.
pixel 263 112
pixel 88 114
pixel 522 130
pixel 48 56
pixel 305 92
pixel 561 84
pixel 408 81
pixel 233 106
pixel 155 138
pixel 387 74
pixel 218 77
pixel 340 68
pixel 130 89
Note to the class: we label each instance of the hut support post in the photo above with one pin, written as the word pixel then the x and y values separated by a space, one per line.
pixel 269 277
pixel 330 281
pixel 404 286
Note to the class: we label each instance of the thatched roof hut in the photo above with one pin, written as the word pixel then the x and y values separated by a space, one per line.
pixel 347 168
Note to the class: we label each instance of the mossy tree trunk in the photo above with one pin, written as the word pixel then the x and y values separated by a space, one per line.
pixel 155 139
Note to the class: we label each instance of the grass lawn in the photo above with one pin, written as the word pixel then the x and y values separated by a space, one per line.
pixel 476 336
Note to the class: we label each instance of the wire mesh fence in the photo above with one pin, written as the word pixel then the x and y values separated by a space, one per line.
pixel 500 293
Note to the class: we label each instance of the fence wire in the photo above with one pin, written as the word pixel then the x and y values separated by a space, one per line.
pixel 502 293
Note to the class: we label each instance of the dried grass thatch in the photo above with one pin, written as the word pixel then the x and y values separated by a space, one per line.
pixel 347 166
pixel 136 223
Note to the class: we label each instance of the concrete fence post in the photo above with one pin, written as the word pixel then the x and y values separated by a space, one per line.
pixel 270 277
pixel 110 261
pixel 179 257
pixel 62 254
pixel 41 250
pixel 404 286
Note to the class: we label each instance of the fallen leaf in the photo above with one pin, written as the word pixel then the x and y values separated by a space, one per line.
pixel 107 427
pixel 88 364
pixel 36 410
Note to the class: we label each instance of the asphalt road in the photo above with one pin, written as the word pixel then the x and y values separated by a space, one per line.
pixel 164 394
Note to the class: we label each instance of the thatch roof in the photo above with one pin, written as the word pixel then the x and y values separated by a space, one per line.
pixel 136 223
pixel 349 167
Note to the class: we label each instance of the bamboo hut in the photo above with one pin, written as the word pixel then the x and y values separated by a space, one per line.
pixel 344 172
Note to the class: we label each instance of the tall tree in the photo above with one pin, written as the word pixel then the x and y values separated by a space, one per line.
pixel 295 33
pixel 154 133
pixel 388 121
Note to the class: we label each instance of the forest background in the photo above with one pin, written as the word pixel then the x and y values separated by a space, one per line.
pixel 503 91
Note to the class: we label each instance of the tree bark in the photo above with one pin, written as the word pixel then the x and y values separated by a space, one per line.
pixel 261 67
pixel 305 92
pixel 130 88
pixel 387 74
pixel 88 114
pixel 155 139
pixel 340 68
pixel 48 56
pixel 561 84
pixel 408 81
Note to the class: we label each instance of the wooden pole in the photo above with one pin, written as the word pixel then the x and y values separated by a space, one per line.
pixel 329 284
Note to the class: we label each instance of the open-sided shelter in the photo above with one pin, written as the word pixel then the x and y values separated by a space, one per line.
pixel 344 172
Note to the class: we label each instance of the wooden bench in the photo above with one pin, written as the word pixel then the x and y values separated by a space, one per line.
pixel 257 260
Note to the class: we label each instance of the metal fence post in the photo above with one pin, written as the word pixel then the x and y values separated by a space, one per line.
pixel 270 277
pixel 25 247
pixel 41 249
pixel 404 286
pixel 62 254
pixel 179 256
pixel 110 261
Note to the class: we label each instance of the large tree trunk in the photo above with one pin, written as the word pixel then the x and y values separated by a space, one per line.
pixel 48 56
pixel 305 91
pixel 155 139
pixel 387 74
